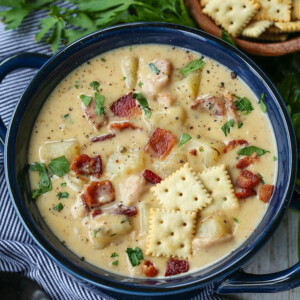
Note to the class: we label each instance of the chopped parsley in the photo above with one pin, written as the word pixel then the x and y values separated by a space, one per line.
pixel 141 83
pixel 44 184
pixel 226 127
pixel 99 101
pixel 184 138
pixel 95 85
pixel 58 207
pixel 103 59
pixel 86 100
pixel 262 103
pixel 95 231
pixel 124 77
pixel 274 158
pixel 77 84
pixel 243 105
pixel 201 149
pixel 154 68
pixel 115 263
pixel 114 254
pixel 227 38
pixel 236 220
pixel 59 166
pixel 248 151
pixel 135 256
pixel 192 66
pixel 66 116
pixel 64 184
pixel 240 124
pixel 63 195
pixel 261 178
pixel 143 102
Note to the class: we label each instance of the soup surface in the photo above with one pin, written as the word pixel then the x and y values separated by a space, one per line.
pixel 152 161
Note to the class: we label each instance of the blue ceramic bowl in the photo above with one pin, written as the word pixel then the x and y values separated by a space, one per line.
pixel 223 274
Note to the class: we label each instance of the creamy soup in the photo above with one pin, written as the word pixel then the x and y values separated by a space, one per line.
pixel 152 161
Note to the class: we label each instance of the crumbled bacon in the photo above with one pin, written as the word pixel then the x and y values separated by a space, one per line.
pixel 232 144
pixel 151 177
pixel 244 193
pixel 96 212
pixel 193 152
pixel 98 193
pixel 103 137
pixel 246 161
pixel 176 266
pixel 229 106
pixel 247 180
pixel 121 126
pixel 148 269
pixel 125 107
pixel 211 104
pixel 265 192
pixel 160 143
pixel 83 164
pixel 127 211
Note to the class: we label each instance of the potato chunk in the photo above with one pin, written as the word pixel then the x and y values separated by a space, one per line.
pixel 129 66
pixel 74 181
pixel 212 230
pixel 189 85
pixel 106 229
pixel 125 163
pixel 67 148
pixel 78 209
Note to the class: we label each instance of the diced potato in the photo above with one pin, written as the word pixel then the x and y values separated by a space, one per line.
pixel 78 210
pixel 67 148
pixel 165 99
pixel 212 230
pixel 189 85
pixel 125 163
pixel 74 182
pixel 172 163
pixel 106 229
pixel 172 119
pixel 129 66
pixel 144 212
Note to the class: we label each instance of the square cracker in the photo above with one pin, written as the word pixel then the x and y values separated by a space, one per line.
pixel 256 28
pixel 171 233
pixel 232 15
pixel 296 10
pixel 217 181
pixel 288 26
pixel 182 190
pixel 274 10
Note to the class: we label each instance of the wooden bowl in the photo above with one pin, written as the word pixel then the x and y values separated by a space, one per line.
pixel 263 49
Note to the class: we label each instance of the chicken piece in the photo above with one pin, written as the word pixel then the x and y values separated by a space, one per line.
pixel 165 99
pixel 230 107
pixel 133 188
pixel 129 66
pixel 211 104
pixel 90 114
pixel 78 209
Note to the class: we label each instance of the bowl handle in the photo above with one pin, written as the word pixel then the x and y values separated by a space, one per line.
pixel 242 282
pixel 13 62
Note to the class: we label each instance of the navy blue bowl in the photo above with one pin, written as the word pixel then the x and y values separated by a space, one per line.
pixel 223 274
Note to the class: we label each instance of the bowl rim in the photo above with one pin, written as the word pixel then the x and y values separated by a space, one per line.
pixel 127 288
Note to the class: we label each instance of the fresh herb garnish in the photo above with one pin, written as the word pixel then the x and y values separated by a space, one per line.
pixel 226 127
pixel 192 66
pixel 240 124
pixel 99 100
pixel 154 68
pixel 124 77
pixel 95 85
pixel 86 100
pixel 141 83
pixel 248 151
pixel 227 38
pixel 77 84
pixel 63 184
pixel 201 149
pixel 143 102
pixel 103 59
pixel 262 103
pixel 115 263
pixel 58 207
pixel 236 220
pixel 66 116
pixel 274 158
pixel 184 138
pixel 261 178
pixel 95 231
pixel 243 105
pixel 59 166
pixel 44 184
pixel 135 256
pixel 63 195
pixel 114 254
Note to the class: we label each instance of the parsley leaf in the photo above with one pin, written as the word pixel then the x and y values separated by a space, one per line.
pixel 114 254
pixel 77 84
pixel 226 127
pixel 135 256
pixel 184 138
pixel 192 66
pixel 274 158
pixel 86 100
pixel 95 85
pixel 58 207
pixel 99 100
pixel 154 68
pixel 63 184
pixel 143 102
pixel 227 38
pixel 243 104
pixel 95 231
pixel 115 263
pixel 262 104
pixel 248 151
pixel 201 149
pixel 59 166
pixel 63 195
pixel 261 178
pixel 236 220
pixel 141 83
pixel 240 124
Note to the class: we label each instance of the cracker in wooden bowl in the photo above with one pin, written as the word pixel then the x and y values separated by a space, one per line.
pixel 288 26
pixel 296 10
pixel 256 28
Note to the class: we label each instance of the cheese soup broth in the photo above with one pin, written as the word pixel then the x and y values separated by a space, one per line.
pixel 62 118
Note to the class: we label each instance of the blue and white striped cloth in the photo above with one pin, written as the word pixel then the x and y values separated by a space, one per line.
pixel 18 253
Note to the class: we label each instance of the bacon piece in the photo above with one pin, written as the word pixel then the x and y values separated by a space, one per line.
pixel 151 177
pixel 246 161
pixel 83 164
pixel 103 137
pixel 176 266
pixel 244 193
pixel 265 192
pixel 125 107
pixel 96 212
pixel 130 211
pixel 232 144
pixel 122 125
pixel 98 193
pixel 247 180
pixel 194 152
pixel 148 269
pixel 90 114
pixel 160 143
pixel 229 106
pixel 211 104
